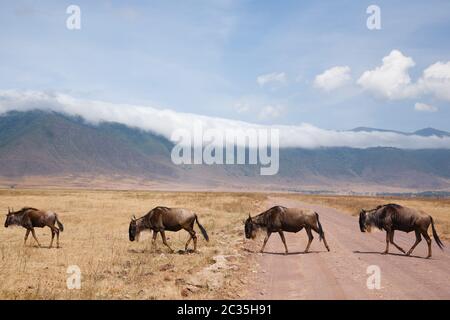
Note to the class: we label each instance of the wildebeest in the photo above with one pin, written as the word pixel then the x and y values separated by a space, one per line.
pixel 391 217
pixel 31 218
pixel 279 219
pixel 161 219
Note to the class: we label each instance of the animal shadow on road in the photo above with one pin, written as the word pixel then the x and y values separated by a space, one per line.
pixel 390 254
pixel 290 253
pixel 159 251
pixel 282 253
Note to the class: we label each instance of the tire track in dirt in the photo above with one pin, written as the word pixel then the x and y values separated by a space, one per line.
pixel 342 273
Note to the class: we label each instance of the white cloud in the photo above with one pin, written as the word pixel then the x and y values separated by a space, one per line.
pixel 436 80
pixel 390 80
pixel 275 77
pixel 425 107
pixel 333 78
pixel 164 122
pixel 270 112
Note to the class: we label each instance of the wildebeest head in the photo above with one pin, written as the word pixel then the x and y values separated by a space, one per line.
pixel 9 218
pixel 132 230
pixel 362 220
pixel 250 230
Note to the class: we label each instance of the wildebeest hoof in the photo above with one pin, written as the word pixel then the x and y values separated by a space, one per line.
pixel 384 252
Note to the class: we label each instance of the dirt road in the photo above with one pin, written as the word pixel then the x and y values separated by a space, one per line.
pixel 342 273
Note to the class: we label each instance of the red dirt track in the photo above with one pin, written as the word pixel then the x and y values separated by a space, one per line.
pixel 342 273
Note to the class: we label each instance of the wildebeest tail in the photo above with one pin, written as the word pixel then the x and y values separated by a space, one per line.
pixel 205 235
pixel 320 227
pixel 60 225
pixel 435 235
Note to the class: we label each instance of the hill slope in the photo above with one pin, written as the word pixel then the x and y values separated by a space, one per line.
pixel 51 145
pixel 41 143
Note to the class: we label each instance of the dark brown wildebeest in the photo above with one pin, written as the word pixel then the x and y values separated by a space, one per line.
pixel 161 219
pixel 391 217
pixel 31 218
pixel 279 219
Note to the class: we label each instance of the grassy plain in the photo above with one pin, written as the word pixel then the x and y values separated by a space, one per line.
pixel 96 240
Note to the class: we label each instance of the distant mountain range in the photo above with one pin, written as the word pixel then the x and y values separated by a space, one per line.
pixel 40 148
pixel 426 132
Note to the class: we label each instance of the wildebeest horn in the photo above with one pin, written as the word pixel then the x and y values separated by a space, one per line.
pixel 249 216
pixel 133 217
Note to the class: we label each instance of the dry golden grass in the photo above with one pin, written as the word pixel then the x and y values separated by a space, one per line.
pixel 439 209
pixel 96 239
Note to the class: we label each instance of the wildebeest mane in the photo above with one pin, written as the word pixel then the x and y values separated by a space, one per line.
pixel 164 209
pixel 378 215
pixel 23 210
pixel 265 219
pixel 391 205
pixel 146 219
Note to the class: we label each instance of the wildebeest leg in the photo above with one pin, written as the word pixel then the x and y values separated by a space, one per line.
pixel 187 242
pixel 155 234
pixel 26 237
pixel 310 238
pixel 57 238
pixel 428 239
pixel 53 236
pixel 418 239
pixel 323 237
pixel 265 240
pixel 391 239
pixel 34 236
pixel 284 240
pixel 54 231
pixel 163 235
pixel 192 236
pixel 387 243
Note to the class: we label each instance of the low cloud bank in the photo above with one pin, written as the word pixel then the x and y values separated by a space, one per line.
pixel 165 122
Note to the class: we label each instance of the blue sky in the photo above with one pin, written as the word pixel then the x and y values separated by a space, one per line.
pixel 256 61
